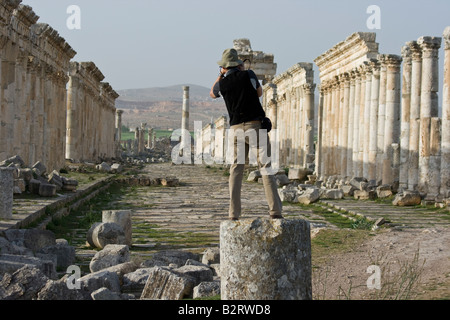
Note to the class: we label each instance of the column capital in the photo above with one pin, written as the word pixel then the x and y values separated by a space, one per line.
pixel 430 46
pixel 446 37
pixel 406 53
pixel 391 61
pixel 416 50
pixel 308 88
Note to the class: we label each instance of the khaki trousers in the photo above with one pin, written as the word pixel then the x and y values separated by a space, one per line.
pixel 238 166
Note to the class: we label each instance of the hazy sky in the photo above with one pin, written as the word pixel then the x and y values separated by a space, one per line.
pixel 141 43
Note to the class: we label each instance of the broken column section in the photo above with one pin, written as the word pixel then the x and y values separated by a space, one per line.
pixel 265 259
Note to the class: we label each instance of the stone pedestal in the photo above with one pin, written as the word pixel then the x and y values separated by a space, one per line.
pixel 123 219
pixel 265 259
pixel 6 192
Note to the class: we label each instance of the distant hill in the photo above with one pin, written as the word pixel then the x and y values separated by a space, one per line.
pixel 161 107
pixel 172 93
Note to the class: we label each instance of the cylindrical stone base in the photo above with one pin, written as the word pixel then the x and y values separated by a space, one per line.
pixel 6 192
pixel 265 259
pixel 123 219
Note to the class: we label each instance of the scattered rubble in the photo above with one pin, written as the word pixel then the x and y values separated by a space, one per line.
pixel 29 258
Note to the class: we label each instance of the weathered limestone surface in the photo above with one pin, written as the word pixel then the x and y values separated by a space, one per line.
pixel 261 63
pixel 289 103
pixel 399 139
pixel 90 113
pixel 35 105
pixel 264 259
pixel 6 192
pixel 123 219
pixel 445 158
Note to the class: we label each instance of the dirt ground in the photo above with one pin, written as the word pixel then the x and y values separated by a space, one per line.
pixel 417 260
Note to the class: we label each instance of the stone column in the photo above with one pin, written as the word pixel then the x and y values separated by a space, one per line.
pixel 351 121
pixel 344 128
pixel 405 118
pixel 356 124
pixel 392 124
pixel 367 105
pixel 375 94
pixel 185 118
pixel 308 94
pixel 119 125
pixel 445 149
pixel 319 153
pixel 381 118
pixel 414 123
pixel 265 259
pixel 428 105
pixel 121 218
pixel 6 192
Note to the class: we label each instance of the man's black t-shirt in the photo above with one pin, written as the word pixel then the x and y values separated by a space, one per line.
pixel 240 95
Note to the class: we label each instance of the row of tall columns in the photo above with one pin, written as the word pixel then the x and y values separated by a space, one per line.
pixel 381 121
pixel 289 103
pixel 420 155
pixel 33 68
pixel 90 112
pixel 358 118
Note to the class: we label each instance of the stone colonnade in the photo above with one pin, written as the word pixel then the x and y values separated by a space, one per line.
pixel 90 112
pixel 380 121
pixel 33 68
pixel 289 103
pixel 41 119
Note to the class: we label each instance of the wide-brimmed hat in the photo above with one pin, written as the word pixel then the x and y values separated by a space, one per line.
pixel 230 59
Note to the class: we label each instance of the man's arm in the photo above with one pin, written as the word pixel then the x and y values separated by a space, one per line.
pixel 214 93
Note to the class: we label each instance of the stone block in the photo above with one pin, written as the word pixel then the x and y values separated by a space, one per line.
pixel 55 178
pixel 47 190
pixel 407 198
pixel 111 255
pixel 384 191
pixel 123 219
pixel 308 196
pixel 333 194
pixel 298 174
pixel 33 239
pixel 116 168
pixel 254 176
pixel 265 259
pixel 6 192
pixel 41 167
pixel 96 280
pixel 365 194
pixel 34 186
pixel 165 284
pixel 198 273
pixel 207 289
pixel 23 284
pixel 211 256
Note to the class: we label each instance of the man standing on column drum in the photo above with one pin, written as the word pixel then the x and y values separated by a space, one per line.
pixel 241 91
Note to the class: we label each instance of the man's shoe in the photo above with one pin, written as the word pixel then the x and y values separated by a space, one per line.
pixel 278 216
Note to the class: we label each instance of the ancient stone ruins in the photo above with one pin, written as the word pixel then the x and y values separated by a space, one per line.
pixel 377 129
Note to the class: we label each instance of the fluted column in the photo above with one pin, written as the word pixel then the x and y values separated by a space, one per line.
pixel 351 121
pixel 308 98
pixel 381 117
pixel 428 105
pixel 344 124
pixel 367 108
pixel 445 150
pixel 414 123
pixel 356 124
pixel 375 92
pixel 405 117
pixel 392 124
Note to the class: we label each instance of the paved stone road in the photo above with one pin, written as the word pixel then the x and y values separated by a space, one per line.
pixel 201 202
